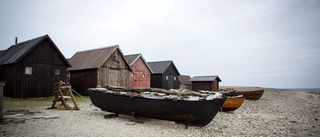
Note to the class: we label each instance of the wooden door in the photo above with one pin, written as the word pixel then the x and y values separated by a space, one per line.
pixel 138 79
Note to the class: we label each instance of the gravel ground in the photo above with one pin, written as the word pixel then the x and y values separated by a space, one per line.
pixel 277 113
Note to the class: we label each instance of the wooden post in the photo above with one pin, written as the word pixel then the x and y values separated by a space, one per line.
pixel 2 84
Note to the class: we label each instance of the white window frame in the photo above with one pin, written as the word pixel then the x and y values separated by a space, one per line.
pixel 28 70
pixel 57 72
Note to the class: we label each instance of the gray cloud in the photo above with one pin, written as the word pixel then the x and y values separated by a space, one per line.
pixel 266 43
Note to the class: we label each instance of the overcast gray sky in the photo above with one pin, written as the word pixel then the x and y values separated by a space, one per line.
pixel 266 43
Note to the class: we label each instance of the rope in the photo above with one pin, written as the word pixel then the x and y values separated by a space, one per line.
pixel 78 94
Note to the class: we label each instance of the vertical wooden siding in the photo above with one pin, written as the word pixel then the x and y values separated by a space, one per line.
pixel 81 80
pixel 166 80
pixel 44 60
pixel 7 73
pixel 156 80
pixel 139 70
pixel 172 82
pixel 206 85
pixel 114 71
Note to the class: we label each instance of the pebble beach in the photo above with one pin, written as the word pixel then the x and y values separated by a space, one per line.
pixel 279 112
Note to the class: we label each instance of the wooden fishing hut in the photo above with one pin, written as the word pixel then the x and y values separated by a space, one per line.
pixel 210 83
pixel 141 72
pixel 165 75
pixel 31 67
pixel 99 67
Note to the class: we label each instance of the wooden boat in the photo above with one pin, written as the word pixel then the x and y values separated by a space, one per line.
pixel 232 103
pixel 250 94
pixel 188 112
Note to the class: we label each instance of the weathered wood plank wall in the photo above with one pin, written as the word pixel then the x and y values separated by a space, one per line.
pixel 141 74
pixel 83 79
pixel 44 60
pixel 114 71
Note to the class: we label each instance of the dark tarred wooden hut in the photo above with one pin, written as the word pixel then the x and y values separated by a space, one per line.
pixel 99 67
pixel 140 77
pixel 184 82
pixel 31 68
pixel 205 83
pixel 165 75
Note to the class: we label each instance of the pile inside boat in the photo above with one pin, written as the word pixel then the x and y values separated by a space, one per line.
pixel 157 93
pixel 182 106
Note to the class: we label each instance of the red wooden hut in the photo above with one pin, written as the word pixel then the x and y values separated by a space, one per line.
pixel 140 77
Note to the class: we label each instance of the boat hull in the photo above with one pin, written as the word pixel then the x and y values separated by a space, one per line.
pixel 250 94
pixel 232 103
pixel 197 113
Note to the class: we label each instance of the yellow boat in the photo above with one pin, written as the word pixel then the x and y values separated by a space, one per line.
pixel 232 103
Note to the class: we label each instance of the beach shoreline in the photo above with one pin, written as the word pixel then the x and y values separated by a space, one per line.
pixel 279 112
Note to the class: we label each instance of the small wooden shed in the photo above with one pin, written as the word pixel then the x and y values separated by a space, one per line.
pixel 184 82
pixel 165 75
pixel 99 67
pixel 31 68
pixel 210 83
pixel 140 77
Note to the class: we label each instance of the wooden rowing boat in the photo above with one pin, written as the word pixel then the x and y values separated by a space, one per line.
pixel 250 94
pixel 188 112
pixel 232 103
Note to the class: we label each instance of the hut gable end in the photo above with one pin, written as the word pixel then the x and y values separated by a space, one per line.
pixel 45 53
pixel 30 68
pixel 38 50
pixel 140 77
pixel 165 75
pixel 99 67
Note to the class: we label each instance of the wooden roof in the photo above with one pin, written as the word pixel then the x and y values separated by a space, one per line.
pixel 160 67
pixel 94 58
pixel 205 78
pixel 2 51
pixel 16 52
pixel 184 79
pixel 134 57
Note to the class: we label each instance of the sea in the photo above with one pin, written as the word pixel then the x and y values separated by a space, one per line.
pixel 312 90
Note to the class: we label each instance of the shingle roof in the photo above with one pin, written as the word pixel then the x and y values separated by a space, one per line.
pixel 184 79
pixel 94 58
pixel 161 66
pixel 16 52
pixel 134 57
pixel 205 78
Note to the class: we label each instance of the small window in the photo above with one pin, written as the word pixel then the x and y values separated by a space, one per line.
pixel 143 76
pixel 132 75
pixel 57 72
pixel 174 78
pixel 167 78
pixel 28 71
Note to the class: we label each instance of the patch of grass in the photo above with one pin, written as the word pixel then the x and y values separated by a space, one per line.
pixel 21 111
pixel 4 121
pixel 50 99
pixel 80 99
pixel 45 102
pixel 27 99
